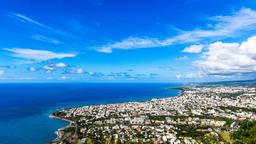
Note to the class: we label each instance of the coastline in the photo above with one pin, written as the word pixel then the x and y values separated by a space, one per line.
pixel 59 133
pixel 193 115
pixel 60 118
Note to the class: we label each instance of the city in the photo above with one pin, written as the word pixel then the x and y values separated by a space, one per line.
pixel 198 115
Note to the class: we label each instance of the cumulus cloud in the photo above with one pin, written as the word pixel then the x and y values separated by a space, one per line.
pixel 60 65
pixel 178 76
pixel 48 69
pixel 193 49
pixel 229 58
pixel 37 55
pixel 54 67
pixel 79 71
pixel 222 27
pixel 32 69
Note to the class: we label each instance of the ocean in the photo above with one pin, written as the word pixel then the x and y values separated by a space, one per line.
pixel 25 107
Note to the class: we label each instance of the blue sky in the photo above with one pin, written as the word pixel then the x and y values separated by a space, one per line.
pixel 127 40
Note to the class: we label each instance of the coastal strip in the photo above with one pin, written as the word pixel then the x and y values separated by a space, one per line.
pixel 58 132
pixel 197 115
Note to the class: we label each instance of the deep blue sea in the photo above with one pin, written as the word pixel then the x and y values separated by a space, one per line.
pixel 25 107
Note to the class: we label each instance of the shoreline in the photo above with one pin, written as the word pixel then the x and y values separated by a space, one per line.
pixel 59 118
pixel 58 131
pixel 193 115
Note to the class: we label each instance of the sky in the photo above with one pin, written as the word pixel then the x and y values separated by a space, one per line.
pixel 127 40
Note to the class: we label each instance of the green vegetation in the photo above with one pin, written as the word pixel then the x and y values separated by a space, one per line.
pixel 59 114
pixel 210 139
pixel 190 131
pixel 254 110
pixel 218 118
pixel 158 117
pixel 233 108
pixel 246 134
pixel 69 129
pixel 226 136
pixel 103 139
pixel 228 95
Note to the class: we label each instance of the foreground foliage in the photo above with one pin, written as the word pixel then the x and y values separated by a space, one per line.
pixel 246 134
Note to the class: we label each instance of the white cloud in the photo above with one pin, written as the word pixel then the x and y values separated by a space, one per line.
pixel 229 58
pixel 60 65
pixel 178 76
pixel 48 69
pixel 1 72
pixel 90 73
pixel 63 78
pixel 133 42
pixel 37 55
pixel 53 67
pixel 31 21
pixel 223 26
pixel 45 39
pixel 80 71
pixel 193 49
pixel 245 18
pixel 27 19
pixel 105 49
pixel 32 69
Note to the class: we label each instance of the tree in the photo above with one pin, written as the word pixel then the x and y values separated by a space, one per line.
pixel 246 134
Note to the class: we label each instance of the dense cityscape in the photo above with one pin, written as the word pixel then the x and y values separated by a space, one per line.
pixel 200 114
